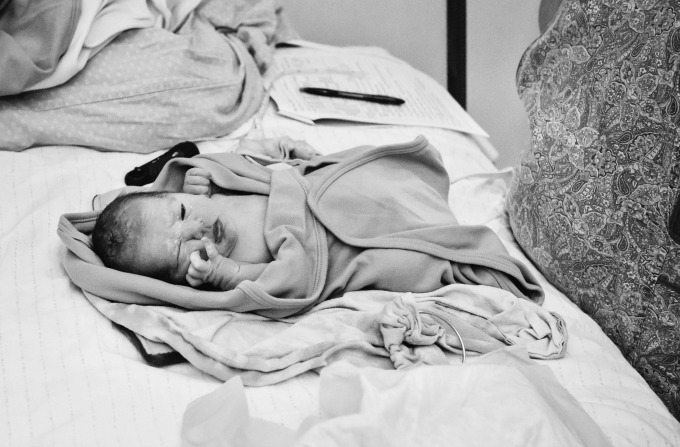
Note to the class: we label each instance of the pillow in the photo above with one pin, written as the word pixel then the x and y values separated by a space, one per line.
pixel 591 199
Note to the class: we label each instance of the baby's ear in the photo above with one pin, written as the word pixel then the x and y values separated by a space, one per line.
pixel 100 201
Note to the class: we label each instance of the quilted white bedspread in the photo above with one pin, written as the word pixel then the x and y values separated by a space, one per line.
pixel 68 378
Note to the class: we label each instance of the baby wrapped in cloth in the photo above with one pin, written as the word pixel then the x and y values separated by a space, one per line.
pixel 366 218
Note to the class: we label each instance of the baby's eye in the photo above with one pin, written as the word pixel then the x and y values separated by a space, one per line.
pixel 182 211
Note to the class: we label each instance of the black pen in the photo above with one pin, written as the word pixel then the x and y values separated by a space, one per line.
pixel 380 99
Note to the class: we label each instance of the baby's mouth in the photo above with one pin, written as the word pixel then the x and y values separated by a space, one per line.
pixel 218 231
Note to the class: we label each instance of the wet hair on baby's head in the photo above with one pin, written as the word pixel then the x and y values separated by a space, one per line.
pixel 115 237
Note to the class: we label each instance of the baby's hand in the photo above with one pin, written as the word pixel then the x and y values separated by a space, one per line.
pixel 297 148
pixel 278 148
pixel 217 271
pixel 197 182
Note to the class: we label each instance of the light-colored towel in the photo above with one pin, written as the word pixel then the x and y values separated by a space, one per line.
pixel 382 329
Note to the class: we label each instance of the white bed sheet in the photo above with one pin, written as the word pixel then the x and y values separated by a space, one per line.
pixel 68 378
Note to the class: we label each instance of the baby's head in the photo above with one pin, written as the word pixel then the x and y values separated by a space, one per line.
pixel 118 235
pixel 154 233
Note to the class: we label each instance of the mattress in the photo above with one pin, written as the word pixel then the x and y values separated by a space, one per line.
pixel 68 377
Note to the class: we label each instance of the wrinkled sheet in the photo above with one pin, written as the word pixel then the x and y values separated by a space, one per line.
pixel 384 329
pixel 68 379
pixel 501 398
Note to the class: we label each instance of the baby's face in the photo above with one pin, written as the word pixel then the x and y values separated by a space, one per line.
pixel 172 228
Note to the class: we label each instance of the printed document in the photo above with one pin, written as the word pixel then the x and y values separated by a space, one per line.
pixel 362 70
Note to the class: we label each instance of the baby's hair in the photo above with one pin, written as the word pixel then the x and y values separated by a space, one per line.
pixel 115 237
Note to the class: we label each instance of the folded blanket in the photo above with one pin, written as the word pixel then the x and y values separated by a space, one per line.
pixel 382 329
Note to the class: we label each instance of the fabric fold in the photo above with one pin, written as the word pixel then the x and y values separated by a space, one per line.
pixel 164 72
pixel 49 42
pixel 387 330
pixel 474 319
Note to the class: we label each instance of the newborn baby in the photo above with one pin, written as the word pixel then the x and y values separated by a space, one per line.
pixel 193 237
pixel 369 218
pixel 204 235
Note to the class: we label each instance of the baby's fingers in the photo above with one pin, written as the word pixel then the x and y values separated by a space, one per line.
pixel 198 264
pixel 198 270
pixel 210 249
pixel 194 281
pixel 304 150
pixel 196 180
pixel 297 148
pixel 197 190
pixel 198 172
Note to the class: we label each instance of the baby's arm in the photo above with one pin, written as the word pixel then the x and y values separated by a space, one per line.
pixel 218 271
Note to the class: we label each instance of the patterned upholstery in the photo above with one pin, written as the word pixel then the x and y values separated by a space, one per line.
pixel 591 198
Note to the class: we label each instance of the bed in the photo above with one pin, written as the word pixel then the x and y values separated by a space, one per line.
pixel 68 376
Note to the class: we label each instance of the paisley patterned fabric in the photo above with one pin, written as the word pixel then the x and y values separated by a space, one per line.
pixel 591 198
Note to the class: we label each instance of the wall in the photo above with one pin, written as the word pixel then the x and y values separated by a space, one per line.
pixel 498 33
pixel 413 30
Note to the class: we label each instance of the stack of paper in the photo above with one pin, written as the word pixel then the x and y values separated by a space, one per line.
pixel 371 71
